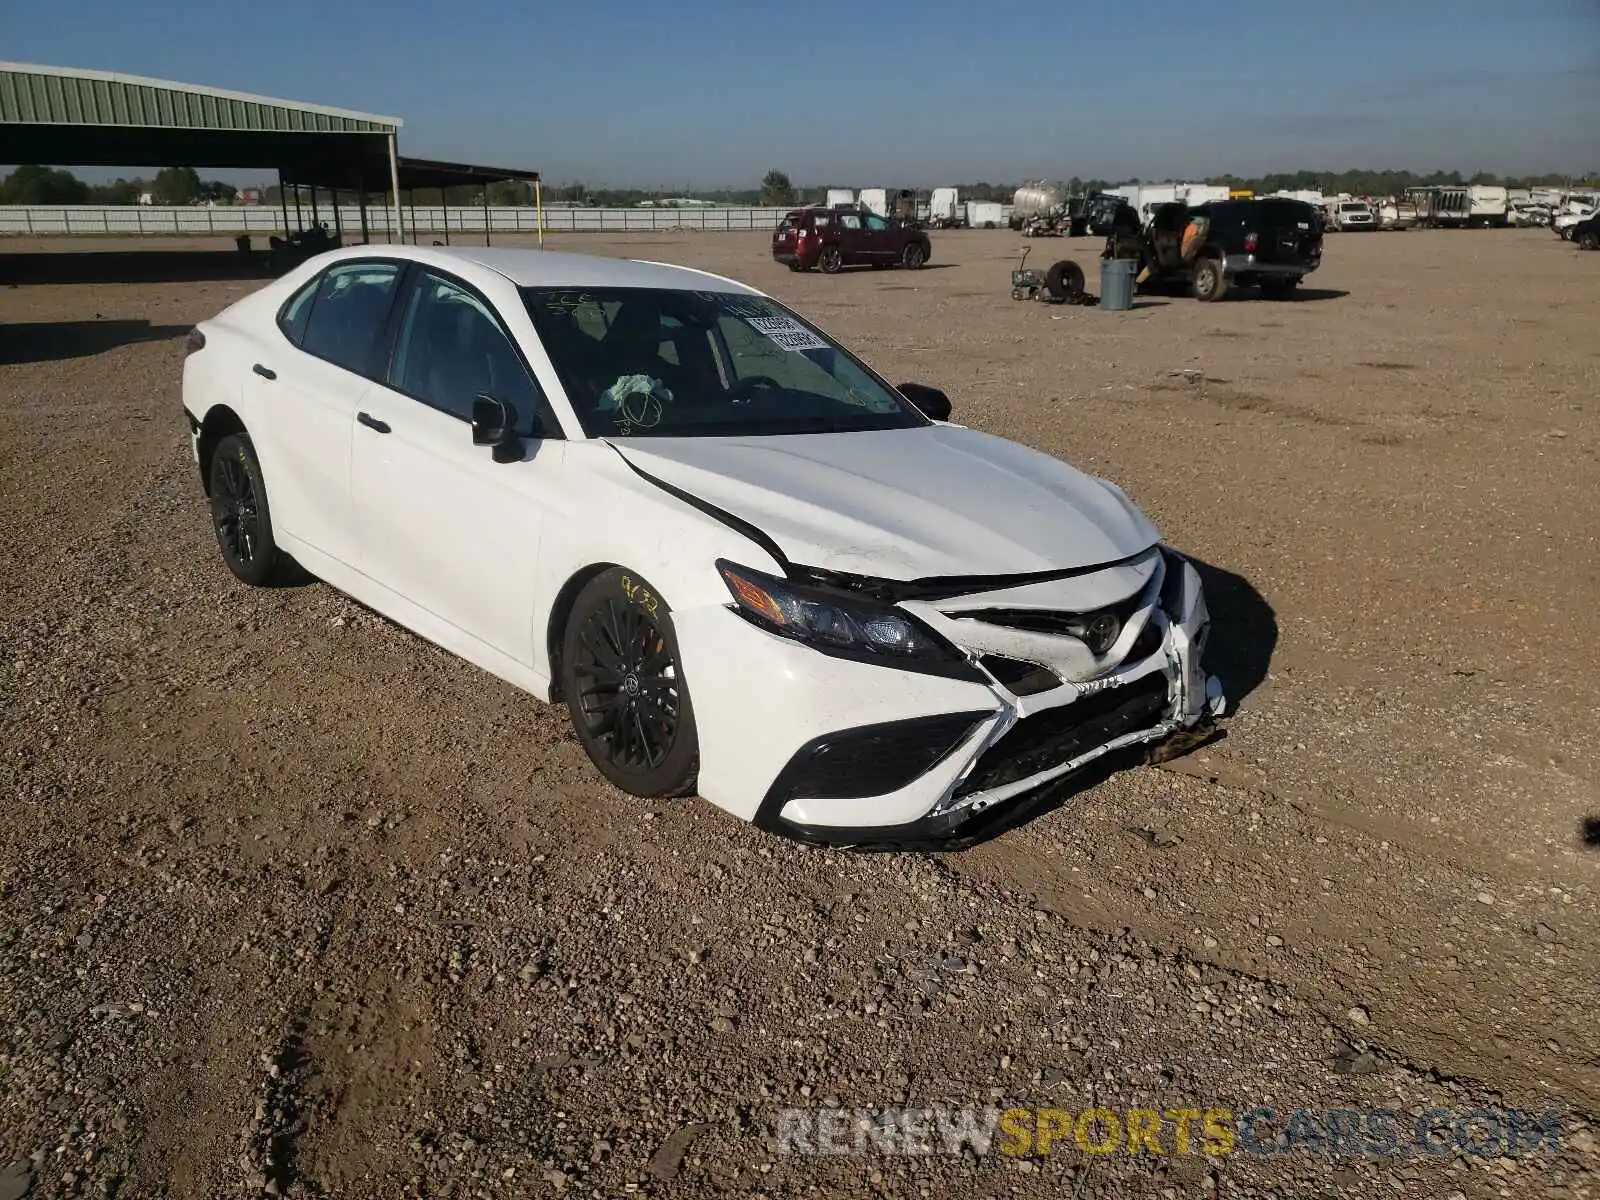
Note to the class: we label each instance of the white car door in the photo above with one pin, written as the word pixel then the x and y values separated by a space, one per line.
pixel 312 384
pixel 442 524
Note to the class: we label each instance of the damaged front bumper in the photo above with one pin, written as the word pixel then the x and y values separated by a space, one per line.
pixel 883 757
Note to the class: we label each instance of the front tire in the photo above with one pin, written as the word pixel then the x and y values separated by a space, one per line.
pixel 914 256
pixel 624 687
pixel 1589 240
pixel 831 261
pixel 240 514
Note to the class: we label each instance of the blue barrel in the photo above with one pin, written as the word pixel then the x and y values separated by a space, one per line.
pixel 1116 283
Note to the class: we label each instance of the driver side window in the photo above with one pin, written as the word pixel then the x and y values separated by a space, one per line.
pixel 451 348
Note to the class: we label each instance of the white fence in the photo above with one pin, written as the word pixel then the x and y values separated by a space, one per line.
pixel 192 221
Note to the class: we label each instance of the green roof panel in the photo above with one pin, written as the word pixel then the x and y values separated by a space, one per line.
pixel 35 95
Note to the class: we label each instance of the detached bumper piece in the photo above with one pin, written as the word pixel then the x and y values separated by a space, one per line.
pixel 1037 743
pixel 878 759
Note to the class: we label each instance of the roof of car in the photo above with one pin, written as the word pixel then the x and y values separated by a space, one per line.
pixel 550 268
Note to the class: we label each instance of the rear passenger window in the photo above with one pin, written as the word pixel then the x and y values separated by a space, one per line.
pixel 297 312
pixel 349 314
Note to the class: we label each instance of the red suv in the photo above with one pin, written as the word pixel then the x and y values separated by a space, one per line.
pixel 835 238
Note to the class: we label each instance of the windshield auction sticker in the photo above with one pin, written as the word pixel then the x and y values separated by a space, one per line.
pixel 787 334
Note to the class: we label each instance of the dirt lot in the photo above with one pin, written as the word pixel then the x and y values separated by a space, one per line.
pixel 293 902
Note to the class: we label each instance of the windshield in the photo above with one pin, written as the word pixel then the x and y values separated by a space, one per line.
pixel 646 362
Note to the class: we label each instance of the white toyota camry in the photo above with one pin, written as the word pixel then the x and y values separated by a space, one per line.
pixel 747 564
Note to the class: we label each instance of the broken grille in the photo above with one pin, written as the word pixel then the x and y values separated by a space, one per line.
pixel 1037 743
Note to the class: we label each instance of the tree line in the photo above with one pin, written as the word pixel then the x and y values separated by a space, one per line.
pixel 52 185
pixel 183 185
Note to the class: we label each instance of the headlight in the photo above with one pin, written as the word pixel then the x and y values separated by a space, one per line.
pixel 841 624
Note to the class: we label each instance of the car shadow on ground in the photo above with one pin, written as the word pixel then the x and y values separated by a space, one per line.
pixel 1590 832
pixel 1306 293
pixel 1244 631
pixel 1236 294
pixel 50 341
pixel 132 266
pixel 896 268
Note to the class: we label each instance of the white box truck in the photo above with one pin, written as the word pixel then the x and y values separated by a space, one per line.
pixel 1487 205
pixel 875 200
pixel 838 196
pixel 945 210
pixel 985 214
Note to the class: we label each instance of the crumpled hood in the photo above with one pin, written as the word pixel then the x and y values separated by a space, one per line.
pixel 905 503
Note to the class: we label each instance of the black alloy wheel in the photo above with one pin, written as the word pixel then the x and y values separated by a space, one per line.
pixel 240 514
pixel 624 688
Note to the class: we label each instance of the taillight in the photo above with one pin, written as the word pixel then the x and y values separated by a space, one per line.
pixel 1250 243
pixel 197 341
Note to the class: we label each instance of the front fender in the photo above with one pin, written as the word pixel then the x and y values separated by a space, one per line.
pixel 629 522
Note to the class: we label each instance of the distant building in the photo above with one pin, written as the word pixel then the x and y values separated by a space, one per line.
pixel 147 197
pixel 250 195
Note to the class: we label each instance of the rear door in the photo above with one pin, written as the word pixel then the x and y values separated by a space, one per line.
pixel 851 233
pixel 313 381
pixel 1166 234
pixel 443 525
pixel 1287 232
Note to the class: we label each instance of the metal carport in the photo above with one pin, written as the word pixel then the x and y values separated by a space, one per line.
pixel 77 118
pixel 411 174
pixel 69 117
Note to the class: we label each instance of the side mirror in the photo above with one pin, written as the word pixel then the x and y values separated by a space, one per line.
pixel 494 424
pixel 930 401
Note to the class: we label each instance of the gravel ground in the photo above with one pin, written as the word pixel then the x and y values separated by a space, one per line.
pixel 292 903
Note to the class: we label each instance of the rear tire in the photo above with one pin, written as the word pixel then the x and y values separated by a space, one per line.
pixel 913 256
pixel 624 688
pixel 831 260
pixel 1589 240
pixel 240 514
pixel 1210 283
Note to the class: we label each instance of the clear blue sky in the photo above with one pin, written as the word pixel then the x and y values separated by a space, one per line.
pixel 715 92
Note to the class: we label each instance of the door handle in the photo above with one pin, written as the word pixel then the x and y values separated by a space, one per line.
pixel 372 422
pixel 264 372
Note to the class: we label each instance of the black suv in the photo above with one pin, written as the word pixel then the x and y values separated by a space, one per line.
pixel 1270 243
pixel 1586 233
pixel 1097 214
